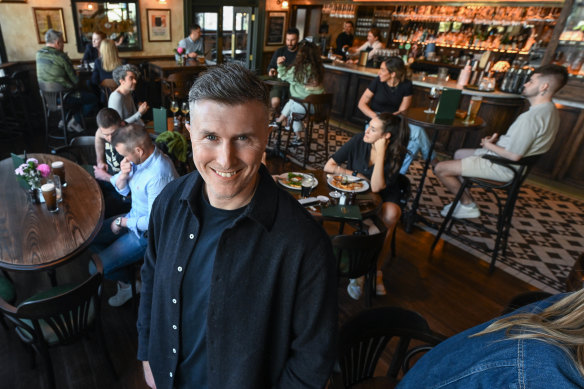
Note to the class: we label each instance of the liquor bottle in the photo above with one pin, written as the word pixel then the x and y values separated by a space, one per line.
pixel 464 75
pixel 474 75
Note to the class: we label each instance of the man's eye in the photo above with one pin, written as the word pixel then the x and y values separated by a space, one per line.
pixel 211 137
pixel 242 137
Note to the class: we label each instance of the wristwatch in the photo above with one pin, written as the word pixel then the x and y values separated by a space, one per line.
pixel 355 172
pixel 118 221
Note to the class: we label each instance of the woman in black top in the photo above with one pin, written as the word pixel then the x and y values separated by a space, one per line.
pixel 377 156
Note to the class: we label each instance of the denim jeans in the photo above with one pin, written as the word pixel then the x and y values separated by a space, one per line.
pixel 419 142
pixel 117 252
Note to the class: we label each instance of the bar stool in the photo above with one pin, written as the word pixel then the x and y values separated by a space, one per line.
pixel 505 205
pixel 317 109
pixel 53 95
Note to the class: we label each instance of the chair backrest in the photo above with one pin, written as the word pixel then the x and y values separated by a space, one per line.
pixel 405 190
pixel 52 94
pixel 108 86
pixel 321 106
pixel 61 318
pixel 363 339
pixel 180 83
pixel 81 150
pixel 357 254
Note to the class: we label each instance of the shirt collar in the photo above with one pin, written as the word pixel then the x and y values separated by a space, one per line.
pixel 148 161
pixel 261 208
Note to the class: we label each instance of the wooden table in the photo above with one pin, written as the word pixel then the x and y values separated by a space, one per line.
pixel 163 68
pixel 425 120
pixel 32 238
pixel 369 203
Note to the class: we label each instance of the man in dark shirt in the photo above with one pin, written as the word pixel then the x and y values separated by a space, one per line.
pixel 108 162
pixel 345 39
pixel 231 298
pixel 289 52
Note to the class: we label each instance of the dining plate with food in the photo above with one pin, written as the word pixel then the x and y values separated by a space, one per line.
pixel 293 180
pixel 352 184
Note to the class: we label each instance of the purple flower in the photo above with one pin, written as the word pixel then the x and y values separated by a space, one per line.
pixel 19 171
pixel 44 169
pixel 32 160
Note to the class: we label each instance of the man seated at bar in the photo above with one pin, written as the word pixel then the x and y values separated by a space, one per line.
pixel 144 172
pixel 231 298
pixel 108 162
pixel 193 44
pixel 54 65
pixel 345 39
pixel 289 52
pixel 532 133
pixel 126 76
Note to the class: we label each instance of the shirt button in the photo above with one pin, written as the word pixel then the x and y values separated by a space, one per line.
pixel 171 374
pixel 174 327
pixel 179 268
pixel 192 236
pixel 174 351
pixel 174 301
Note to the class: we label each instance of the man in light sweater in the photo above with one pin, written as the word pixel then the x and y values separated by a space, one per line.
pixel 532 133
pixel 126 76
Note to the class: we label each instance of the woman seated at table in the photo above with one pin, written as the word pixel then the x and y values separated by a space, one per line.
pixel 391 92
pixel 305 76
pixel 92 48
pixel 376 155
pixel 106 63
pixel 372 45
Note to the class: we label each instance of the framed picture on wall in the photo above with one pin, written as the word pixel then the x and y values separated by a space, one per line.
pixel 47 18
pixel 158 25
pixel 276 28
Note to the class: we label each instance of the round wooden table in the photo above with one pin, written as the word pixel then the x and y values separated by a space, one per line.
pixel 32 238
pixel 425 120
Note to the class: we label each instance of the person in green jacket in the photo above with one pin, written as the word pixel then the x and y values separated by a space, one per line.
pixel 305 76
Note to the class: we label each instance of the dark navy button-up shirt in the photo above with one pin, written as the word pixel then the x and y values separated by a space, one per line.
pixel 272 313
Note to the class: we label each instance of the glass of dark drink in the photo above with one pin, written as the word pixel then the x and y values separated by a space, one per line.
pixel 306 186
pixel 432 95
pixel 50 196
pixel 58 168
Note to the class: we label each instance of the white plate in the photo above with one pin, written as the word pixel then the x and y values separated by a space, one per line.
pixel 364 188
pixel 285 185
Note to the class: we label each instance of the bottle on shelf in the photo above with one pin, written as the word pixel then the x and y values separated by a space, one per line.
pixel 464 76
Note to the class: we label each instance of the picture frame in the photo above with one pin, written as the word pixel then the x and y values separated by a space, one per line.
pixel 159 27
pixel 13 1
pixel 276 28
pixel 46 18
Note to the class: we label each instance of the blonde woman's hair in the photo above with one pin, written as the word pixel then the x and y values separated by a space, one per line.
pixel 109 55
pixel 561 324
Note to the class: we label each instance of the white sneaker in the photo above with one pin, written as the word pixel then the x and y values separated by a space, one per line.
pixel 354 289
pixel 462 211
pixel 73 126
pixel 123 295
pixel 379 287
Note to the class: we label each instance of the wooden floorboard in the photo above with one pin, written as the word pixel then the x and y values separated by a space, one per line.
pixel 453 291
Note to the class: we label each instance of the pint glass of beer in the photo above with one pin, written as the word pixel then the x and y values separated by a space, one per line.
pixel 50 196
pixel 59 169
pixel 473 109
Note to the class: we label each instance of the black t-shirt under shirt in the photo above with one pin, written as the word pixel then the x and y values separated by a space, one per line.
pixel 386 98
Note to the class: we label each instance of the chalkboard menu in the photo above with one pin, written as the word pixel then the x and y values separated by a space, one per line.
pixel 276 28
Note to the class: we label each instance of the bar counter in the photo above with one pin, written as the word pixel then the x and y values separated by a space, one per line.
pixel 563 163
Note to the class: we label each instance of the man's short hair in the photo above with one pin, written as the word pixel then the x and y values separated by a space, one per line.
pixel 230 84
pixel 194 27
pixel 52 36
pixel 349 22
pixel 293 31
pixel 120 72
pixel 131 136
pixel 108 117
pixel 558 73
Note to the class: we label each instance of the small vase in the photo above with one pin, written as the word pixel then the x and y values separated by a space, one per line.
pixel 34 195
pixel 178 58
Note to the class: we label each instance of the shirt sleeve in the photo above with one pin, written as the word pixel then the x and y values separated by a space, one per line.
pixel 373 85
pixel 95 73
pixel 286 74
pixel 70 70
pixel 123 192
pixel 343 154
pixel 274 61
pixel 182 43
pixel 521 134
pixel 153 189
pixel 408 89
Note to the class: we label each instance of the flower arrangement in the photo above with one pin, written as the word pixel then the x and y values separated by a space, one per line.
pixel 32 172
pixel 179 51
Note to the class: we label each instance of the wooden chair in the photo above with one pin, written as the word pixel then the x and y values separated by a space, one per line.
pixel 317 109
pixel 177 85
pixel 357 256
pixel 53 95
pixel 59 316
pixel 107 86
pixel 80 150
pixel 364 338
pixel 505 204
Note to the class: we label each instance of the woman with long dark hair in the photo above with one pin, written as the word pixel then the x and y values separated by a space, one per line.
pixel 376 155
pixel 305 77
pixel 391 92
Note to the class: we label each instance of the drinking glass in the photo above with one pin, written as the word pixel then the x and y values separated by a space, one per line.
pixel 185 111
pixel 58 168
pixel 432 95
pixel 56 180
pixel 174 110
pixel 307 184
pixel 50 196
